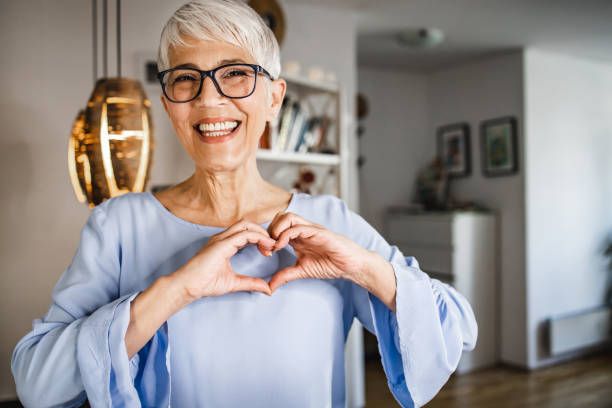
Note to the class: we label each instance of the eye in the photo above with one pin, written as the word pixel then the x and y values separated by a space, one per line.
pixel 183 78
pixel 234 73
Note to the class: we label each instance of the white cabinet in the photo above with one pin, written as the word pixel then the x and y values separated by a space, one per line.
pixel 458 248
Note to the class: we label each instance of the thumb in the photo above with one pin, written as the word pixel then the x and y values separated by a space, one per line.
pixel 284 276
pixel 249 283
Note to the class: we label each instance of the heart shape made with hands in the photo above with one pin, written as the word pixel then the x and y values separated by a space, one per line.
pixel 320 253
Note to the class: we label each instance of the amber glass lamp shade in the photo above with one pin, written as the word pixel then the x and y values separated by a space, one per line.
pixel 111 146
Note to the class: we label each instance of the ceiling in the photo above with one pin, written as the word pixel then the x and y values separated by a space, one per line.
pixel 474 28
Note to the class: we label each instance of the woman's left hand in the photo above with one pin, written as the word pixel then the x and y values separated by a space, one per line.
pixel 321 254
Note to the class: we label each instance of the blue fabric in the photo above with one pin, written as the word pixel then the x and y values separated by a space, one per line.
pixel 240 349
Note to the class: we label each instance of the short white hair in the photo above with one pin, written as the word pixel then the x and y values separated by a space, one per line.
pixel 230 21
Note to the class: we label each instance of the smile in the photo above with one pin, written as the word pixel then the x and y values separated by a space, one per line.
pixel 217 132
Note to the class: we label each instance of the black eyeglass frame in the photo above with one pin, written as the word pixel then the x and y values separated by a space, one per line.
pixel 211 73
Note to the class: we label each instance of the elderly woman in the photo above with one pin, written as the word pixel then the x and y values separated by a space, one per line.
pixel 226 290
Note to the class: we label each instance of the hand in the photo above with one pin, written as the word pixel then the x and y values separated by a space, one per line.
pixel 321 254
pixel 209 272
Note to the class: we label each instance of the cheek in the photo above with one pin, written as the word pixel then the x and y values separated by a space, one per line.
pixel 178 115
pixel 256 118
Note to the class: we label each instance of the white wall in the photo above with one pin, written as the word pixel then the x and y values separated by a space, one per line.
pixel 400 138
pixel 40 218
pixel 555 214
pixel 473 92
pixel 568 187
pixel 46 77
pixel 394 139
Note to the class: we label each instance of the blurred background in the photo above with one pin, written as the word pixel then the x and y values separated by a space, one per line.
pixel 474 134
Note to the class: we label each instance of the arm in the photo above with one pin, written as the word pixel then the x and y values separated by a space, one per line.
pixel 77 351
pixel 422 324
pixel 150 309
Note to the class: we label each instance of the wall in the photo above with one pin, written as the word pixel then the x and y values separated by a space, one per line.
pixel 46 78
pixel 568 191
pixel 394 138
pixel 480 90
pixel 559 202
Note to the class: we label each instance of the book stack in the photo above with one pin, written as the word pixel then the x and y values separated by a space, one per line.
pixel 296 130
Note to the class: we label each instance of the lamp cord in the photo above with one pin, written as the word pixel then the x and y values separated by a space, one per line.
pixel 94 17
pixel 94 24
pixel 104 39
pixel 119 38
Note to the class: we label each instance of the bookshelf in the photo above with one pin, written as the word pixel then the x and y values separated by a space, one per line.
pixel 327 155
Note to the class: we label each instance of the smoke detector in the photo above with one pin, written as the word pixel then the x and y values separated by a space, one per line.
pixel 420 37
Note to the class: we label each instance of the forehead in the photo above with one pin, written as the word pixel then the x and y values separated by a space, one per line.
pixel 206 54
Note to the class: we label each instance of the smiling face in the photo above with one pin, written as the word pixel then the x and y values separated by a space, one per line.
pixel 193 120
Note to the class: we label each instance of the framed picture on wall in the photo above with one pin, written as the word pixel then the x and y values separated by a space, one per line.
pixel 499 146
pixel 454 149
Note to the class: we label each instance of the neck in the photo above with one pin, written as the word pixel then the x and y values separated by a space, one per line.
pixel 227 196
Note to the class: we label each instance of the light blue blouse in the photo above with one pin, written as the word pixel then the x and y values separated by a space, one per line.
pixel 240 349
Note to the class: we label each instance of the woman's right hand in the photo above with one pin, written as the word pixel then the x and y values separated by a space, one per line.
pixel 209 272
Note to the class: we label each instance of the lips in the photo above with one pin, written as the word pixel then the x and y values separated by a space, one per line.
pixel 216 139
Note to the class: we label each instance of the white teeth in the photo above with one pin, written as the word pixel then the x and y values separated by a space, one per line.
pixel 211 127
pixel 222 133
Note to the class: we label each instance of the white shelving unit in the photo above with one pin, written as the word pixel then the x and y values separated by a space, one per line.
pixel 329 96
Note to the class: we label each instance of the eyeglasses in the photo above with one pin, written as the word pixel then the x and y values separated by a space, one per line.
pixel 231 80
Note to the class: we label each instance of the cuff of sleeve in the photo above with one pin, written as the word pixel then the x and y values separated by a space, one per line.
pixel 98 352
pixel 123 369
pixel 146 376
pixel 417 326
pixel 391 349
pixel 109 378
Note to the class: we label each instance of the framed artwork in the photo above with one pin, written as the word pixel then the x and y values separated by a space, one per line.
pixel 499 146
pixel 454 149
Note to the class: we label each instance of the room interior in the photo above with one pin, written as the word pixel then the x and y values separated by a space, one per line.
pixel 525 233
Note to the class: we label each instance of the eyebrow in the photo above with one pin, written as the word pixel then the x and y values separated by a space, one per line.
pixel 222 62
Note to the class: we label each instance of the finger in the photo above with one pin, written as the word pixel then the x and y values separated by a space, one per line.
pixel 284 276
pixel 298 231
pixel 240 239
pixel 249 283
pixel 241 225
pixel 244 225
pixel 283 221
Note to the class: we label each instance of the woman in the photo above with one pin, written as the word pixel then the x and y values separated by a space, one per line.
pixel 225 290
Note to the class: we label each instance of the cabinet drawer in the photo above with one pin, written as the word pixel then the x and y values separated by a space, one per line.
pixel 422 231
pixel 432 259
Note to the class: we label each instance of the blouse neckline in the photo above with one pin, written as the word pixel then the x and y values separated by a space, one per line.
pixel 180 220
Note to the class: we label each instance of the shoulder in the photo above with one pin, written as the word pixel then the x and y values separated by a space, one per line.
pixel 322 205
pixel 334 214
pixel 328 210
pixel 115 209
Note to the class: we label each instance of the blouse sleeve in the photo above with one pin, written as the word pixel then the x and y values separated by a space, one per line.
pixel 77 350
pixel 421 342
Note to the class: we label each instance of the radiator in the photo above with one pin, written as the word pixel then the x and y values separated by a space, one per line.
pixel 589 328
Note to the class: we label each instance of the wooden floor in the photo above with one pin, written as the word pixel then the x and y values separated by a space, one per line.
pixel 585 383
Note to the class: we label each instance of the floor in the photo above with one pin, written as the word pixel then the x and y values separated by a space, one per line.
pixel 585 383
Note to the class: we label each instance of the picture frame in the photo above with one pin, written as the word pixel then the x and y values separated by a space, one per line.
pixel 499 146
pixel 454 149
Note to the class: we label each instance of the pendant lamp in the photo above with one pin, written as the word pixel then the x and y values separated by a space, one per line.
pixel 111 145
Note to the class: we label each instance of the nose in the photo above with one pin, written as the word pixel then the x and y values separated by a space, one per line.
pixel 209 94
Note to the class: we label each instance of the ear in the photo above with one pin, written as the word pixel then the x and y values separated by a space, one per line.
pixel 278 87
pixel 164 102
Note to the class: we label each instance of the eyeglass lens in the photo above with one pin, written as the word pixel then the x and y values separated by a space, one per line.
pixel 234 81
